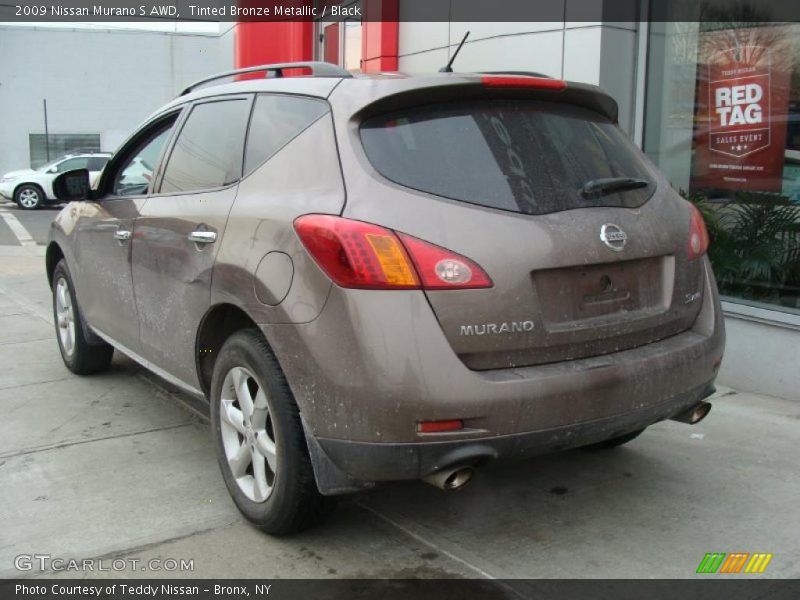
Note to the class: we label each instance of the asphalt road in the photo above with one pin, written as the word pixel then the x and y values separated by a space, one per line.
pixel 117 466
pixel 35 222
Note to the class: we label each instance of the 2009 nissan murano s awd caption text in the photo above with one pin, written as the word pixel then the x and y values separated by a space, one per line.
pixel 383 277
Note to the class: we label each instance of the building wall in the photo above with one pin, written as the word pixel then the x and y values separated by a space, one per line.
pixel 597 53
pixel 98 81
pixel 761 355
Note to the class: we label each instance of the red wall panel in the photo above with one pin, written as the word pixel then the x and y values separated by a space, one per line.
pixel 379 37
pixel 257 43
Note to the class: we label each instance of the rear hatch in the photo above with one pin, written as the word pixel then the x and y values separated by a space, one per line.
pixel 585 248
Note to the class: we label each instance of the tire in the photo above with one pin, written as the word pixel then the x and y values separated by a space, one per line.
pixel 29 196
pixel 274 486
pixel 80 357
pixel 614 442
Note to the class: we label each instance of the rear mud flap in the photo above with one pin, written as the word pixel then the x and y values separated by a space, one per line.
pixel 331 480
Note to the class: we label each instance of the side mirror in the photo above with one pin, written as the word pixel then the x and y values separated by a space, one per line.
pixel 72 185
pixel 52 170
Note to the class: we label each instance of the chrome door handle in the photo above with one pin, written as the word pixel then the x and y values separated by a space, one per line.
pixel 202 237
pixel 122 234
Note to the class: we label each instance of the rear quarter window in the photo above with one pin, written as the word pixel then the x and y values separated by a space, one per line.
pixel 276 121
pixel 516 155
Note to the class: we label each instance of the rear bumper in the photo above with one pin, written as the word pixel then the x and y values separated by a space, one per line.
pixel 363 461
pixel 365 372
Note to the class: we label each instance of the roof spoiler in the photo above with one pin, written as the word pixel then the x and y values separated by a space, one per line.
pixel 318 69
pixel 486 86
pixel 520 73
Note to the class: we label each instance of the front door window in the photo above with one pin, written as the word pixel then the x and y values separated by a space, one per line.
pixel 136 174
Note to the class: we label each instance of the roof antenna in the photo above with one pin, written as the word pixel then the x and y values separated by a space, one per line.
pixel 448 68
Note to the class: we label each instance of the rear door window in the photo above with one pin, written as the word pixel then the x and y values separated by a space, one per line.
pixel 517 155
pixel 209 149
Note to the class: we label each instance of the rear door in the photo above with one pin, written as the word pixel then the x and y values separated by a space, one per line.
pixel 179 228
pixel 516 185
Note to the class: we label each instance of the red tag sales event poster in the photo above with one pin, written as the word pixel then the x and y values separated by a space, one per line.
pixel 743 79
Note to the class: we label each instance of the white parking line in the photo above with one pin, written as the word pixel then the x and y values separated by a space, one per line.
pixel 17 228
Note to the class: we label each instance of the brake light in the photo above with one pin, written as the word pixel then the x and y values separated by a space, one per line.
pixel 361 255
pixel 356 254
pixel 507 81
pixel 441 269
pixel 698 234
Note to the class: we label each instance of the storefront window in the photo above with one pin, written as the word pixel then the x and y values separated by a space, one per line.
pixel 722 121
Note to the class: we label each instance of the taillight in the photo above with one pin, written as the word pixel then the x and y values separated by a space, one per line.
pixel 361 255
pixel 698 234
pixel 506 81
pixel 356 254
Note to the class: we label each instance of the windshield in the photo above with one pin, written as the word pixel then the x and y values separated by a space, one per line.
pixel 517 155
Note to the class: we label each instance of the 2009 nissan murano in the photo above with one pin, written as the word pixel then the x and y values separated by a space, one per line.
pixel 383 277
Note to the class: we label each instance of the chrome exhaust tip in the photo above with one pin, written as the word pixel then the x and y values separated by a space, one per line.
pixel 693 415
pixel 450 479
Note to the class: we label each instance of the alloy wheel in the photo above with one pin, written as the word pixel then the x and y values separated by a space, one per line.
pixel 65 316
pixel 248 437
pixel 29 198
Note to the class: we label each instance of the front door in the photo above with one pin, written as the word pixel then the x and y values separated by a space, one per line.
pixel 104 235
pixel 177 233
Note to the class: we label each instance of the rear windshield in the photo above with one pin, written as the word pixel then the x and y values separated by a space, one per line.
pixel 516 155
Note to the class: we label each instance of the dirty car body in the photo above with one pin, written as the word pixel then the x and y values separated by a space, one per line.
pixel 446 268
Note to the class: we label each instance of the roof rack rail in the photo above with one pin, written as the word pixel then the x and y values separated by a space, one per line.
pixel 523 73
pixel 317 68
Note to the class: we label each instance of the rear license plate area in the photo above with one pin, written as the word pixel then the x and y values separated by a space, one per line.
pixel 573 296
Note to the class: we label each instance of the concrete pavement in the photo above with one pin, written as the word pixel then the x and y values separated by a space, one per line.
pixel 25 227
pixel 116 466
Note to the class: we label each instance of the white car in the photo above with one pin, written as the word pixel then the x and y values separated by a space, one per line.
pixel 31 188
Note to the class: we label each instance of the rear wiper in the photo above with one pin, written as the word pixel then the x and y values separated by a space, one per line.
pixel 601 187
